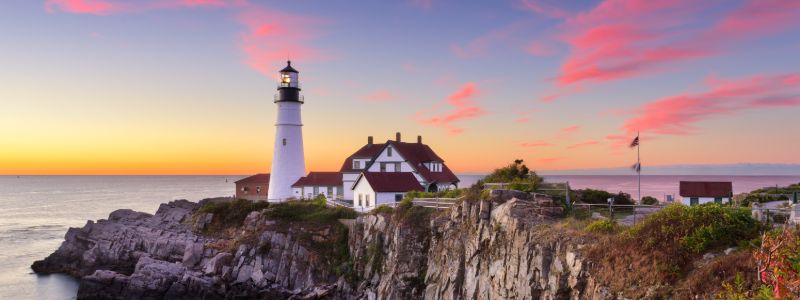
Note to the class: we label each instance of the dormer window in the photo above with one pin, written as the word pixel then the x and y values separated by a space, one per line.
pixel 356 164
pixel 389 152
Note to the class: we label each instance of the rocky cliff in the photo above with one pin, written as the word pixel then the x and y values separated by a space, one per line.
pixel 504 248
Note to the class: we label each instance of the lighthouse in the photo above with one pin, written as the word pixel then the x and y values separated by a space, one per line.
pixel 288 160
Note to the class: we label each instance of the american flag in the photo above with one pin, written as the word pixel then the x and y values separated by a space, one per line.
pixel 635 142
pixel 637 167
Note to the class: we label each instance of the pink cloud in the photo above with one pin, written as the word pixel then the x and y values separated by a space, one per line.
pixel 463 109
pixel 539 48
pixel 550 98
pixel 548 160
pixel 379 95
pixel 107 7
pixel 270 37
pixel 525 116
pixel 480 46
pixel 583 144
pixel 424 4
pixel 621 39
pixel 545 9
pixel 568 131
pixel 676 115
pixel 535 144
pixel 94 7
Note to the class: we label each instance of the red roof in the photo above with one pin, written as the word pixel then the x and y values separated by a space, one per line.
pixel 320 179
pixel 391 181
pixel 416 154
pixel 368 151
pixel 258 178
pixel 706 189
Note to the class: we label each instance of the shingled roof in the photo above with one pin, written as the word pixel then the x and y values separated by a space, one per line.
pixel 320 179
pixel 258 178
pixel 367 151
pixel 418 153
pixel 391 181
pixel 706 189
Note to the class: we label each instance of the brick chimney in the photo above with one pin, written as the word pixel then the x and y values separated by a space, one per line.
pixel 419 139
pixel 397 137
pixel 369 140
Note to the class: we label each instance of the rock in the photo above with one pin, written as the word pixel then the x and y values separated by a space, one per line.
pixel 708 256
pixel 497 248
pixel 214 266
pixel 730 250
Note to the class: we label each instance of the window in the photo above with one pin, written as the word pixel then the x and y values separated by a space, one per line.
pixel 359 199
pixel 397 167
pixel 258 190
pixel 316 190
pixel 284 142
pixel 694 201
pixel 389 151
pixel 366 202
pixel 398 197
pixel 356 164
pixel 383 167
pixel 718 200
pixel 330 192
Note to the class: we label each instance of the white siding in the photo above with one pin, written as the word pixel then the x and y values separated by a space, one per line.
pixel 363 189
pixel 348 179
pixel 703 200
pixel 288 161
pixel 395 158
pixel 387 198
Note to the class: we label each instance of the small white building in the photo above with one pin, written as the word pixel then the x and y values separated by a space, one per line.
pixel 701 192
pixel 371 189
pixel 328 184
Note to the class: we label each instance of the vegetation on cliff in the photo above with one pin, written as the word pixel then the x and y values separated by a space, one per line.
pixel 665 248
pixel 517 175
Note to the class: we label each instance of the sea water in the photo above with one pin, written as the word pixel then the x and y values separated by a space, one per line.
pixel 35 211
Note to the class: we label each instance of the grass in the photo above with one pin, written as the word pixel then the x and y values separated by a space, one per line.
pixel 229 214
pixel 662 249
pixel 603 226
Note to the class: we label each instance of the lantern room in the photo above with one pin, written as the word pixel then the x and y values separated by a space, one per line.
pixel 289 77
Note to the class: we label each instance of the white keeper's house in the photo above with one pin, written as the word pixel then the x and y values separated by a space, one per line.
pixel 702 192
pixel 374 174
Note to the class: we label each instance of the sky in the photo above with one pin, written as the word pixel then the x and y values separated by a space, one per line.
pixel 186 86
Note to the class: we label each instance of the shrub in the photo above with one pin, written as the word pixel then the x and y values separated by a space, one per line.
pixel 603 226
pixel 309 211
pixel 383 209
pixel 517 174
pixel 647 200
pixel 601 197
pixel 696 228
pixel 779 263
pixel 662 248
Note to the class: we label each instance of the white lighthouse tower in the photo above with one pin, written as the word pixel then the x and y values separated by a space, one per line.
pixel 288 160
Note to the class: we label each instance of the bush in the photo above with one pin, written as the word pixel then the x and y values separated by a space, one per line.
pixel 696 228
pixel 603 226
pixel 383 209
pixel 601 197
pixel 647 200
pixel 309 211
pixel 517 174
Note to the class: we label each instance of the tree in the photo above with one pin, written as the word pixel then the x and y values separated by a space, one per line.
pixel 517 175
pixel 647 200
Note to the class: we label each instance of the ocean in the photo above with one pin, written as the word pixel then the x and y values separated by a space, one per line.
pixel 35 211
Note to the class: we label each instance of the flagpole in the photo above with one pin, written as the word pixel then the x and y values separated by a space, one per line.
pixel 639 166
